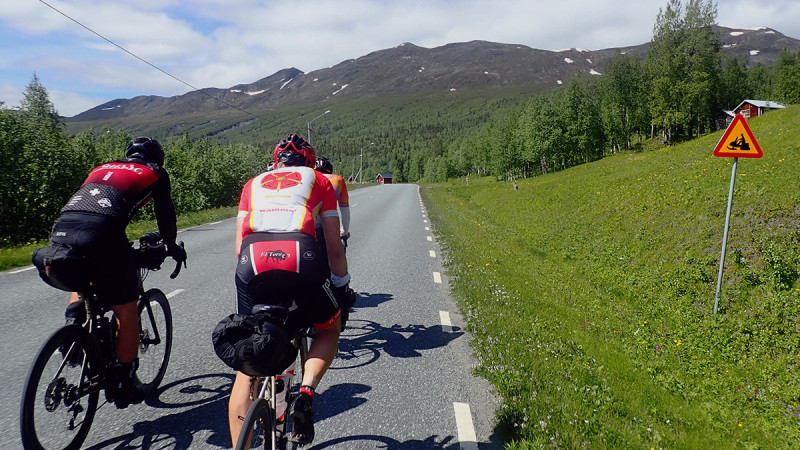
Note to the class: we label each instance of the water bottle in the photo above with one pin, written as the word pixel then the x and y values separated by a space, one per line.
pixel 281 394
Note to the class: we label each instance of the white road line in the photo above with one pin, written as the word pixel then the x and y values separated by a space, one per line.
pixel 214 223
pixel 174 293
pixel 427 228
pixel 353 204
pixel 430 238
pixel 437 277
pixel 444 318
pixel 24 269
pixel 425 221
pixel 466 431
pixel 433 254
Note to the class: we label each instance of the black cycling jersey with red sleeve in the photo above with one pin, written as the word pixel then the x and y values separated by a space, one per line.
pixel 117 189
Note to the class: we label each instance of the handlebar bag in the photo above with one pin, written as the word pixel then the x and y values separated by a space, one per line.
pixel 62 267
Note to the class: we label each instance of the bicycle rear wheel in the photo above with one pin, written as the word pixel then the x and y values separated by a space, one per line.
pixel 155 340
pixel 257 427
pixel 59 403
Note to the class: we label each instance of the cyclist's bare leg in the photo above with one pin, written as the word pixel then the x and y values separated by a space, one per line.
pixel 320 355
pixel 128 332
pixel 242 395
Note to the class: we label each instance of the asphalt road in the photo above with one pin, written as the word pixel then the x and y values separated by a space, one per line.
pixel 402 379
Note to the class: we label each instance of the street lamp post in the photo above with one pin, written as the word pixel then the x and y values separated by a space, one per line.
pixel 309 124
pixel 360 173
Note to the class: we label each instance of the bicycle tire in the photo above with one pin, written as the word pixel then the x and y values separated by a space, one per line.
pixel 63 395
pixel 257 422
pixel 155 340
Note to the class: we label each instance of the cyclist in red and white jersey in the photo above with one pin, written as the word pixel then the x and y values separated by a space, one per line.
pixel 324 165
pixel 279 258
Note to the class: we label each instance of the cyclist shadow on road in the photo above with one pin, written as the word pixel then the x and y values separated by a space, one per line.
pixel 339 398
pixel 376 441
pixel 363 341
pixel 367 300
pixel 202 401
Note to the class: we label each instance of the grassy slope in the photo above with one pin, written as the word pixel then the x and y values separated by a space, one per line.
pixel 590 293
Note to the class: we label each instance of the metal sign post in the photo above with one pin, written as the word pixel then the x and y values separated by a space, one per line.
pixel 740 146
pixel 725 235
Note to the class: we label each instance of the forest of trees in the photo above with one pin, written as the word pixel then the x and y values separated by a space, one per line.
pixel 677 93
pixel 41 167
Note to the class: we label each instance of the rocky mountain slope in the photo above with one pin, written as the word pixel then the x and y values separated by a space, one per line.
pixel 410 69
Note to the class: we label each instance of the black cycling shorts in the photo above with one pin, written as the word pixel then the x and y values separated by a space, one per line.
pixel 286 269
pixel 103 241
pixel 322 245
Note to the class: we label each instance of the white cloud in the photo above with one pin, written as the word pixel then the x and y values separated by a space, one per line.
pixel 72 103
pixel 221 43
pixel 10 96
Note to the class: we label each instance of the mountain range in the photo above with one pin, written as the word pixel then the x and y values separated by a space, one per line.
pixel 408 69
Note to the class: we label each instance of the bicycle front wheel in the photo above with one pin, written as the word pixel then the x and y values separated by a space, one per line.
pixel 258 426
pixel 155 340
pixel 59 402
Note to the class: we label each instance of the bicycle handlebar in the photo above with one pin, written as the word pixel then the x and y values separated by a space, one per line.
pixel 178 264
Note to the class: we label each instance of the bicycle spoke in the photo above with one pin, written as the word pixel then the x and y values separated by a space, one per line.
pixel 155 339
pixel 59 401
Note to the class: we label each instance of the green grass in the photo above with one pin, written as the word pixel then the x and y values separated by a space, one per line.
pixel 590 295
pixel 21 255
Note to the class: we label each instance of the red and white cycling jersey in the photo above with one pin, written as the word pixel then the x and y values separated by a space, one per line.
pixel 286 200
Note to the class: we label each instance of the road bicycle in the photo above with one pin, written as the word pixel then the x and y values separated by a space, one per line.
pixel 72 367
pixel 262 428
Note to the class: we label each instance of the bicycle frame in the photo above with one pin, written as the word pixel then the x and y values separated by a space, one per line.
pixel 269 388
pixel 88 349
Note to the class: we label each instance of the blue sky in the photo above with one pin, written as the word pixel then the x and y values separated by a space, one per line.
pixel 221 43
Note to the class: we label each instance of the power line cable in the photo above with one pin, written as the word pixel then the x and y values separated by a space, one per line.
pixel 150 64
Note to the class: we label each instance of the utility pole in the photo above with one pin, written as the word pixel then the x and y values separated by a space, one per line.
pixel 309 124
pixel 360 173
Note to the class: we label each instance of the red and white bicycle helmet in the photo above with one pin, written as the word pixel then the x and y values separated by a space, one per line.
pixel 294 151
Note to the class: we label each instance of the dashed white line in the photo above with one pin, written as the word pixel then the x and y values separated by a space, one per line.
pixel 433 254
pixel 24 269
pixel 427 228
pixel 214 223
pixel 444 318
pixel 174 293
pixel 466 430
pixel 437 277
pixel 430 238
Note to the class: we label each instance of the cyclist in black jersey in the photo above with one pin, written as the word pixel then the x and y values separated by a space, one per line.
pixel 92 225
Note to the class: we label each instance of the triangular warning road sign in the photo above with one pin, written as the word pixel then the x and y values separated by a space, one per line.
pixel 738 141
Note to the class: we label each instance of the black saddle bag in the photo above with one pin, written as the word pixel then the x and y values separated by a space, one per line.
pixel 62 267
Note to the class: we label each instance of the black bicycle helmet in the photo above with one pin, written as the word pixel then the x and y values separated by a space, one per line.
pixel 324 165
pixel 147 149
pixel 294 151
